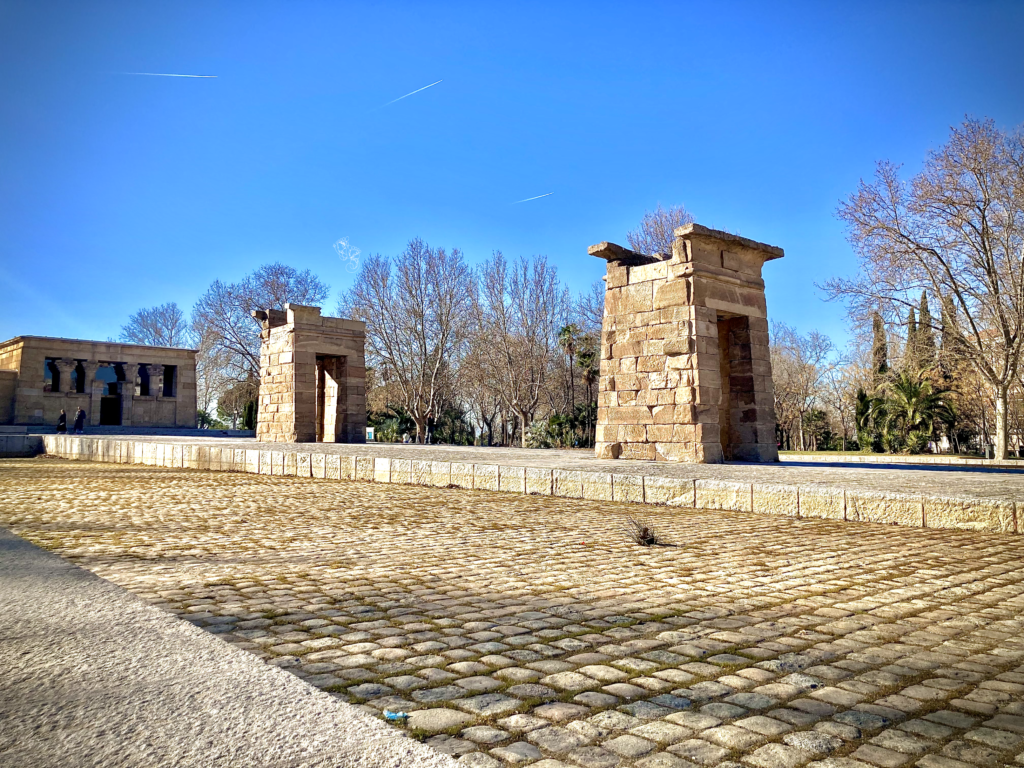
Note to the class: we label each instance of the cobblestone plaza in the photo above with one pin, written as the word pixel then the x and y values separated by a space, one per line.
pixel 521 629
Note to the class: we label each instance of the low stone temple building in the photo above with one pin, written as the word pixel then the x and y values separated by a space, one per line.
pixel 685 369
pixel 312 377
pixel 126 385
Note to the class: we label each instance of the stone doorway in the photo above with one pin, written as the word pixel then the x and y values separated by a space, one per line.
pixel 110 411
pixel 737 411
pixel 330 398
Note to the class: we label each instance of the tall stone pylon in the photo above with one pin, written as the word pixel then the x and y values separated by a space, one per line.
pixel 312 377
pixel 685 369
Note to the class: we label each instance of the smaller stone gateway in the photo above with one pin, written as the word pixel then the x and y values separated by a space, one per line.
pixel 312 377
pixel 685 369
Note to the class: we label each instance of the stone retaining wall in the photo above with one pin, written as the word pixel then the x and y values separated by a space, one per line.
pixel 809 501
pixel 20 445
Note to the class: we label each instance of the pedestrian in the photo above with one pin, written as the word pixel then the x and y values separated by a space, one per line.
pixel 62 423
pixel 79 422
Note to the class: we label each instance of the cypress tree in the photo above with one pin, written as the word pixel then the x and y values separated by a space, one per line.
pixel 925 337
pixel 879 351
pixel 910 353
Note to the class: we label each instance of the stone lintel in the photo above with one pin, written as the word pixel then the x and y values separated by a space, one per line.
pixel 614 253
pixel 770 251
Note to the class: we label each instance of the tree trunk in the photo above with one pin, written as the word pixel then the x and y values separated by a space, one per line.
pixel 801 428
pixel 421 428
pixel 1002 397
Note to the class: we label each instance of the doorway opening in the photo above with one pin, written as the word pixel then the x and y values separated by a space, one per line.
pixel 330 398
pixel 737 413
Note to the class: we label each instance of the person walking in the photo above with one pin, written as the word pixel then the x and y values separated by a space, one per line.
pixel 62 423
pixel 79 422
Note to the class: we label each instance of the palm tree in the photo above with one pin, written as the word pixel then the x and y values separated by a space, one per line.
pixel 568 338
pixel 911 408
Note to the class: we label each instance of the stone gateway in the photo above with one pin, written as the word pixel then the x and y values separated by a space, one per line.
pixel 312 377
pixel 685 369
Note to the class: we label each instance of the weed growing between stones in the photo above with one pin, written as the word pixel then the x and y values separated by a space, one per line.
pixel 641 531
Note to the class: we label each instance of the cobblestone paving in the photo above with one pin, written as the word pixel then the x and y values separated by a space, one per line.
pixel 529 630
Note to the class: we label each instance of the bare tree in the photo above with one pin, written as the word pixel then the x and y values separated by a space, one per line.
pixel 521 308
pixel 163 326
pixel 417 312
pixel 657 229
pixel 800 367
pixel 955 231
pixel 590 309
pixel 222 314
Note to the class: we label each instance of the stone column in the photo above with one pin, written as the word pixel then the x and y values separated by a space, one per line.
pixel 131 373
pixel 94 390
pixel 156 379
pixel 66 368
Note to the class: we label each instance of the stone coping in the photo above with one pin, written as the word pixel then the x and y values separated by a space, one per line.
pixel 971 500
pixel 893 459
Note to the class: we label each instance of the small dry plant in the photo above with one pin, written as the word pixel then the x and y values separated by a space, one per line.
pixel 641 531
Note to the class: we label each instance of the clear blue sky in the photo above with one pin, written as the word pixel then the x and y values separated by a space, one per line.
pixel 119 192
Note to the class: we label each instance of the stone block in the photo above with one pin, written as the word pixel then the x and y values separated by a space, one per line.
pixel 879 507
pixel 538 481
pixel 462 474
pixel 990 515
pixel 381 470
pixel 485 477
pixel 252 462
pixel 726 496
pixel 671 491
pixel 346 468
pixel 440 474
pixel 291 464
pixel 364 468
pixel 318 465
pixel 264 465
pixel 822 502
pixel 277 463
pixel 303 463
pixel 512 479
pixel 567 484
pixel 596 486
pixel 628 488
pixel 401 471
pixel 775 500
pixel 333 468
pixel 420 473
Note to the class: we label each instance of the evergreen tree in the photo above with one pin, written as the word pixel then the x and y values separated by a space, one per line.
pixel 879 351
pixel 925 337
pixel 911 361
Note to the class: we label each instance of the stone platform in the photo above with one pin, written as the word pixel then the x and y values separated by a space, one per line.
pixel 934 496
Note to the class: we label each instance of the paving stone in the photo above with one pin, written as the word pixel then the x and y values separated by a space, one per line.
pixel 555 739
pixel 441 693
pixel 663 760
pixel 700 752
pixel 560 711
pixel 520 723
pixel 478 760
pixel 615 721
pixel 593 757
pixel 516 753
pixel 451 745
pixel 778 756
pixel 435 720
pixel 484 734
pixel 479 684
pixel 662 732
pixel 488 705
pixel 569 681
pixel 766 726
pixel 595 699
pixel 901 741
pixel 630 746
pixel 814 742
pixel 885 758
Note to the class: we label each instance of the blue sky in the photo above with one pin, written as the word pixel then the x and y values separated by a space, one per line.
pixel 119 192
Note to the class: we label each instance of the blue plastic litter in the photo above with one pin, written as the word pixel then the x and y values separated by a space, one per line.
pixel 389 715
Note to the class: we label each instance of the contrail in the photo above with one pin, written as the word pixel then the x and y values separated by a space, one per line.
pixel 538 197
pixel 410 94
pixel 162 74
